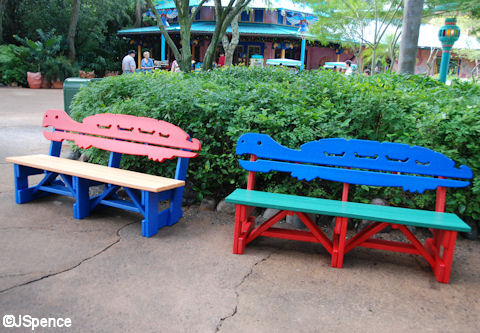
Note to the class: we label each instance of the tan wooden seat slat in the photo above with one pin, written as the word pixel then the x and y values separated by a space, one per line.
pixel 115 176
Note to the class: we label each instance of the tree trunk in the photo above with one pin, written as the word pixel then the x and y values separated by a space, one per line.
pixel 138 13
pixel 374 54
pixel 185 23
pixel 72 30
pixel 2 11
pixel 412 17
pixel 431 59
pixel 230 47
pixel 225 17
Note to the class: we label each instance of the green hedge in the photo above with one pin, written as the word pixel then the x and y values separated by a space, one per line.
pixel 218 106
pixel 13 67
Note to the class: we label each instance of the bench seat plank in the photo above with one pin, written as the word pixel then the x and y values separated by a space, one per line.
pixel 104 174
pixel 397 215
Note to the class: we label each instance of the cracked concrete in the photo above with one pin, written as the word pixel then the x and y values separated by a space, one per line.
pixel 234 312
pixel 103 275
pixel 66 269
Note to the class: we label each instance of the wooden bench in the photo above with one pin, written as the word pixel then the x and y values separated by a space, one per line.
pixel 359 162
pixel 119 134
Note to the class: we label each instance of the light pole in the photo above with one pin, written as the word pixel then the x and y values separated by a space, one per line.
pixel 448 35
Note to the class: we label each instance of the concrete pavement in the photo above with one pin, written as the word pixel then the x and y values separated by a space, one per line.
pixel 103 275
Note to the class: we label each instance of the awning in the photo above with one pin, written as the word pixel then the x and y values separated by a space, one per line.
pixel 208 27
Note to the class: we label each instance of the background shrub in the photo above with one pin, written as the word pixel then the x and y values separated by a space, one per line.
pixel 218 106
pixel 13 66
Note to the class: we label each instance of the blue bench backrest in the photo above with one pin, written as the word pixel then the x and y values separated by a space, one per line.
pixel 333 159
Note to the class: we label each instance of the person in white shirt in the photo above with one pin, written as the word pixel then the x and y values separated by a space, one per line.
pixel 128 63
pixel 349 70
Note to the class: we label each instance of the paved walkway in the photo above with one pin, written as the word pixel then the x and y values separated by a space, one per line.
pixel 103 275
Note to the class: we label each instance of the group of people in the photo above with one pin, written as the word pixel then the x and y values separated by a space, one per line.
pixel 349 70
pixel 129 66
pixel 147 64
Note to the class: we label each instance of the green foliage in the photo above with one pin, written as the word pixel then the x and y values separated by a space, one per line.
pixel 218 106
pixel 57 69
pixel 12 66
pixel 39 51
pixel 97 44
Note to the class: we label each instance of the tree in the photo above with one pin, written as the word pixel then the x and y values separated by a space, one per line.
pixel 230 46
pixel 412 17
pixel 224 17
pixel 2 10
pixel 185 20
pixel 139 6
pixel 431 59
pixel 72 30
pixel 350 22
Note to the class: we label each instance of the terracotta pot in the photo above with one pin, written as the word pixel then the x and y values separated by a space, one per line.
pixel 45 84
pixel 57 84
pixel 34 80
pixel 90 75
pixel 108 73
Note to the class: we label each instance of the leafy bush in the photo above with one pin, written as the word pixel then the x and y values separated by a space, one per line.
pixel 39 51
pixel 218 106
pixel 12 65
pixel 57 69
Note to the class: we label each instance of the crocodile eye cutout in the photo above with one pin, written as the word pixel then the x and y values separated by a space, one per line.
pixel 104 126
pixel 56 117
pixel 259 143
pixel 423 163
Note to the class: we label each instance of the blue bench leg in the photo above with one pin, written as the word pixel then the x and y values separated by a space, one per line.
pixel 175 208
pixel 151 222
pixel 81 207
pixel 23 193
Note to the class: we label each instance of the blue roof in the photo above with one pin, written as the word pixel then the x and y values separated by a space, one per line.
pixel 288 5
pixel 209 26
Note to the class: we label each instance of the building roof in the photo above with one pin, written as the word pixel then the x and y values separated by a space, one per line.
pixel 288 5
pixel 207 27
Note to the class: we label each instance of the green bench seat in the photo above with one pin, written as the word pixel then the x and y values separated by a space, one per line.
pixel 396 215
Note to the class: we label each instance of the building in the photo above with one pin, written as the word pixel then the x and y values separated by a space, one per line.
pixel 272 33
pixel 264 31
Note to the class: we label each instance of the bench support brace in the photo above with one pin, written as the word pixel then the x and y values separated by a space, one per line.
pixel 245 230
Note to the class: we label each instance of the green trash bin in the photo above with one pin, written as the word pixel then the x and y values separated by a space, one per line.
pixel 70 87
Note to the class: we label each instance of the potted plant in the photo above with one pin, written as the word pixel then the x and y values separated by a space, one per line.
pixel 38 52
pixel 56 70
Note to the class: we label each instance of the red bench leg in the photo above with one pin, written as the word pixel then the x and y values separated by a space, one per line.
pixel 338 241
pixel 239 214
pixel 443 266
pixel 445 239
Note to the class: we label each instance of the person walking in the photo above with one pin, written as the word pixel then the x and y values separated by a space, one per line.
pixel 128 63
pixel 349 70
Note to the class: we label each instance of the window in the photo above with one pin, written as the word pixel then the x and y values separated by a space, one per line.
pixel 197 17
pixel 245 17
pixel 258 15
pixel 279 17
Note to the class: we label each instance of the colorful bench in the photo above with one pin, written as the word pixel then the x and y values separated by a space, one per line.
pixel 119 134
pixel 359 162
